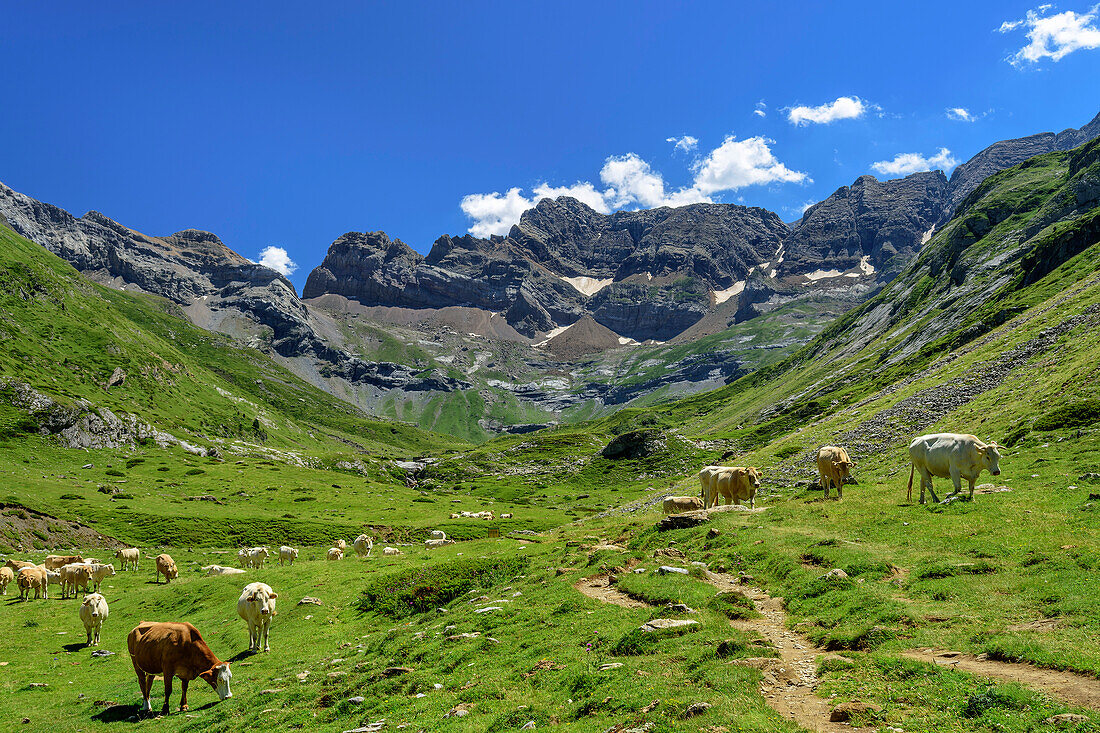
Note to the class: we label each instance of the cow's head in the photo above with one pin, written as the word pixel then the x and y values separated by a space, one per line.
pixel 91 601
pixel 108 570
pixel 843 467
pixel 754 476
pixel 118 554
pixel 263 602
pixel 990 456
pixel 218 677
pixel 171 571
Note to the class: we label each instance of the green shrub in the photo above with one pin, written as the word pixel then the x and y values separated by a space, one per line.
pixel 935 570
pixel 634 643
pixel 788 451
pixel 114 472
pixel 71 497
pixel 1074 415
pixel 733 604
pixel 134 461
pixel 417 590
pixel 1011 697
pixel 194 472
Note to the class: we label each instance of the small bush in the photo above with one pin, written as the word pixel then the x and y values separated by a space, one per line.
pixel 936 570
pixel 114 472
pixel 194 472
pixel 134 461
pixel 124 495
pixel 634 643
pixel 1010 697
pixel 407 592
pixel 1074 415
pixel 788 451
pixel 71 497
pixel 162 468
pixel 733 604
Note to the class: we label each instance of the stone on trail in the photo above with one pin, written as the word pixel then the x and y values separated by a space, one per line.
pixel 610 666
pixel 357 700
pixel 488 608
pixel 845 711
pixel 682 521
pixel 310 600
pixel 661 624
pixel 667 569
pixel 834 574
pixel 696 708
pixel 1063 720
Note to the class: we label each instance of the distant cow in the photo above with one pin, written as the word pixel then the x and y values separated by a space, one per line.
pixel 363 545
pixel 53 577
pixel 93 612
pixel 174 650
pixel 257 556
pixel 706 484
pixel 99 572
pixel 391 551
pixel 736 484
pixel 75 579
pixel 129 557
pixel 951 455
pixel 32 578
pixel 257 607
pixel 335 553
pixel 509 515
pixel 213 570
pixel 56 562
pixel 434 544
pixel 680 504
pixel 166 566
pixel 341 545
pixel 288 554
pixel 6 576
pixel 833 466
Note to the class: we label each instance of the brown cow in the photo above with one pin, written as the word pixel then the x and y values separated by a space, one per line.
pixel 34 578
pixel 166 566
pixel 17 565
pixel 833 466
pixel 174 650
pixel 6 576
pixel 56 562
pixel 736 484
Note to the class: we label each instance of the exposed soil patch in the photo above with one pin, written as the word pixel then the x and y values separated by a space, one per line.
pixel 23 530
pixel 788 683
pixel 1070 688
pixel 598 587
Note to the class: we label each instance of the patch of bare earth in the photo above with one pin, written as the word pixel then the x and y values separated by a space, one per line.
pixel 1070 688
pixel 599 588
pixel 21 528
pixel 789 683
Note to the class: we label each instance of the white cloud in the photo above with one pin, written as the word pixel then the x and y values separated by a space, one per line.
pixel 961 114
pixel 278 260
pixel 905 163
pixel 738 163
pixel 1054 36
pixel 761 109
pixel 687 143
pixel 629 181
pixel 843 108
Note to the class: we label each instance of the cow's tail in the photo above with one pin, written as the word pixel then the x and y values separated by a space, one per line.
pixel 909 494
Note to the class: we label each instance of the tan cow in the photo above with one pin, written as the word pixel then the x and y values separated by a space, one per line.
pixel 56 562
pixel 74 579
pixel 363 545
pixel 833 466
pixel 335 553
pixel 257 556
pixel 99 572
pixel 681 504
pixel 6 576
pixel 93 612
pixel 166 566
pixel 215 570
pixel 174 650
pixel 435 544
pixel 289 554
pixel 707 475
pixel 257 607
pixel 129 557
pixel 32 578
pixel 391 551
pixel 951 455
pixel 736 484
pixel 16 565
pixel 340 544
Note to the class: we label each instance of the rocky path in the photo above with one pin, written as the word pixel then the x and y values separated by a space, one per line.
pixel 788 683
pixel 597 587
pixel 1070 688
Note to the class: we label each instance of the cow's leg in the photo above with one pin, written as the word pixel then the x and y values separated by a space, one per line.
pixel 971 489
pixel 183 694
pixel 956 479
pixel 925 482
pixel 840 488
pixel 168 674
pixel 932 490
pixel 267 630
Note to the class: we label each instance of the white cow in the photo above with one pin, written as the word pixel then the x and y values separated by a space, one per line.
pixel 213 570
pixel 99 572
pixel 335 553
pixel 257 607
pixel 289 554
pixel 257 556
pixel 391 551
pixel 340 544
pixel 93 612
pixel 951 455
pixel 129 557
pixel 363 545
pixel 242 557
pixel 433 544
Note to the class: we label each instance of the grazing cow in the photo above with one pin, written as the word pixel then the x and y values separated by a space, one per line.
pixel 257 607
pixel 736 484
pixel 363 545
pixel 53 577
pixel 56 562
pixel 335 553
pixel 129 557
pixel 257 556
pixel 242 557
pixel 680 504
pixel 341 545
pixel 166 566
pixel 32 578
pixel 506 516
pixel 706 482
pixel 93 612
pixel 174 650
pixel 833 466
pixel 74 579
pixel 391 551
pixel 212 570
pixel 455 516
pixel 438 534
pixel 433 544
pixel 99 572
pixel 289 554
pixel 6 576
pixel 951 455
pixel 16 565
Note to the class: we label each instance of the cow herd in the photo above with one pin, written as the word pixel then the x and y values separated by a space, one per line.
pixel 941 455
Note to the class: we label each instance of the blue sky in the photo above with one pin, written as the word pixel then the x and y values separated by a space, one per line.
pixel 285 125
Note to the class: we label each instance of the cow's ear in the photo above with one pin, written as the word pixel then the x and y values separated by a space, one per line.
pixel 274 595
